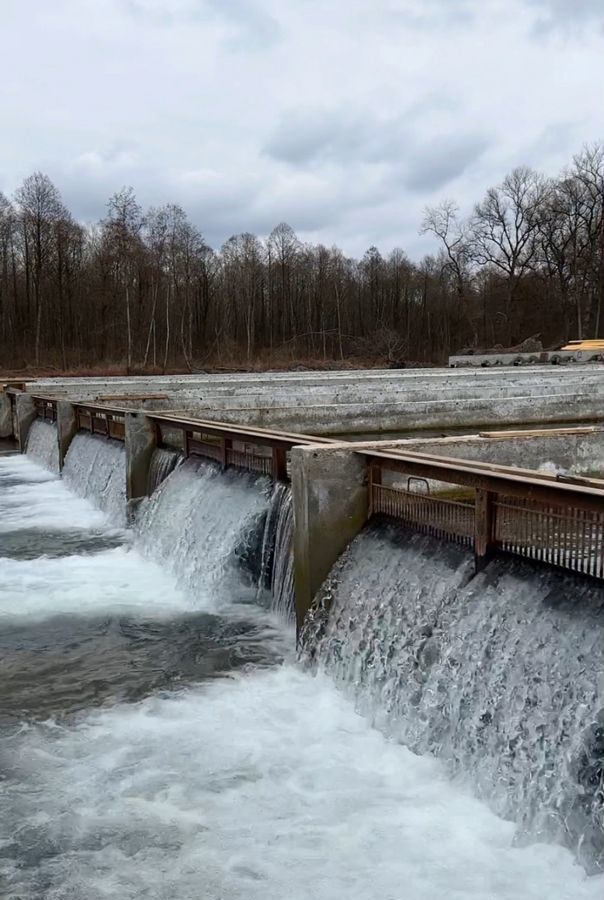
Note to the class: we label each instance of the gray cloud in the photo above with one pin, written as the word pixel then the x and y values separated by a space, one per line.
pixel 441 160
pixel 248 22
pixel 311 136
pixel 350 119
pixel 567 14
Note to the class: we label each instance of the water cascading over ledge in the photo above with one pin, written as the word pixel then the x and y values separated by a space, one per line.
pixel 95 468
pixel 43 444
pixel 225 535
pixel 501 675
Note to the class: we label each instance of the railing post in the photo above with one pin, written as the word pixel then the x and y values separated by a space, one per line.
pixel 375 478
pixel 484 536
pixel 279 468
pixel 225 446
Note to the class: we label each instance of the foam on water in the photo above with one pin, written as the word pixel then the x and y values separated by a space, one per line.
pixel 116 582
pixel 31 497
pixel 501 675
pixel 264 786
pixel 95 468
pixel 43 444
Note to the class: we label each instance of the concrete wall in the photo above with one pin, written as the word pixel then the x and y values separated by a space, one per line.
pixel 579 452
pixel 357 402
pixel 330 501
pixel 25 413
pixel 6 416
pixel 140 442
pixel 67 427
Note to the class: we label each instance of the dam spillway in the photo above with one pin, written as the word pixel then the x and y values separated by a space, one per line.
pixel 174 740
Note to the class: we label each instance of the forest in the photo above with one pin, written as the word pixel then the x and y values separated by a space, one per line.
pixel 142 290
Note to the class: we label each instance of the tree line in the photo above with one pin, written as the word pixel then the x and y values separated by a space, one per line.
pixel 145 290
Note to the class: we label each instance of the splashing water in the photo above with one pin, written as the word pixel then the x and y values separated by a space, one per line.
pixel 163 462
pixel 263 786
pixel 43 444
pixel 277 568
pixel 95 468
pixel 125 779
pixel 501 675
pixel 207 526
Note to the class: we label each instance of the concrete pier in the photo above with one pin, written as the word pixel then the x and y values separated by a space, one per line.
pixel 140 442
pixel 329 488
pixel 67 427
pixel 6 416
pixel 25 413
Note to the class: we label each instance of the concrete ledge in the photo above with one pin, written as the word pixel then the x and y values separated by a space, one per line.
pixel 6 416
pixel 67 428
pixel 330 498
pixel 25 413
pixel 140 442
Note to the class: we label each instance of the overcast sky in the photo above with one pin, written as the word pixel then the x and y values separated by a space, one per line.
pixel 343 118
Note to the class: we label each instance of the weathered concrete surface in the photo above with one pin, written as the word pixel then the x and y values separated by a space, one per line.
pixel 25 413
pixel 362 401
pixel 6 416
pixel 67 428
pixel 140 442
pixel 578 451
pixel 330 498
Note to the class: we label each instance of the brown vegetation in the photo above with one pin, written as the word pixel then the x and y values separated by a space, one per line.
pixel 144 292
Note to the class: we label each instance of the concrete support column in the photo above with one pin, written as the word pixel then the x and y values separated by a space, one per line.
pixel 6 416
pixel 25 412
pixel 67 427
pixel 330 496
pixel 141 441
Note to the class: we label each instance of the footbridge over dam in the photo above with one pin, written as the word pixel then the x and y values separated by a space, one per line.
pixel 452 586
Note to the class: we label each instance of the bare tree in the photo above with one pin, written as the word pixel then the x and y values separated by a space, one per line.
pixel 504 229
pixel 443 221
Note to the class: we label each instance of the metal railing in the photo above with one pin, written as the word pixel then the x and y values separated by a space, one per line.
pixel 450 519
pixel 46 409
pixel 98 420
pixel 253 449
pixel 530 514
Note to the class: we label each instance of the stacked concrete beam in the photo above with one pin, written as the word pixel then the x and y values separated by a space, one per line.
pixel 363 402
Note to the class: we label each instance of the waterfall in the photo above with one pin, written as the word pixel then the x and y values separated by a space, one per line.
pixel 277 567
pixel 162 463
pixel 95 468
pixel 501 675
pixel 43 444
pixel 207 526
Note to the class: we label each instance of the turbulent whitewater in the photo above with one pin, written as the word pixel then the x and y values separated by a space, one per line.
pixel 501 676
pixel 43 444
pixel 159 739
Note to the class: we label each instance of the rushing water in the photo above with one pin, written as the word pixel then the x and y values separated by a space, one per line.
pixel 501 675
pixel 163 462
pixel 159 740
pixel 43 444
pixel 95 468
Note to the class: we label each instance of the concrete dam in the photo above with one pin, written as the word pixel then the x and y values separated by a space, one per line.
pixel 264 659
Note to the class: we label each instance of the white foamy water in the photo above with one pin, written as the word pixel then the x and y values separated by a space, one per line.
pixel 43 444
pixel 116 581
pixel 32 497
pixel 95 468
pixel 264 785
pixel 500 675
pixel 261 787
pixel 206 527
